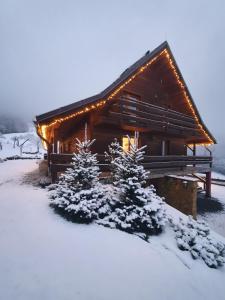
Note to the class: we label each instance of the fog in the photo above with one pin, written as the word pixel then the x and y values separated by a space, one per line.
pixel 55 52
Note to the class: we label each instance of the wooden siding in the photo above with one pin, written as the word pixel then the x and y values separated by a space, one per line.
pixel 158 86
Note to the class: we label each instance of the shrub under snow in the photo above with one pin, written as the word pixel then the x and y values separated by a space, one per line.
pixel 138 208
pixel 79 195
pixel 194 236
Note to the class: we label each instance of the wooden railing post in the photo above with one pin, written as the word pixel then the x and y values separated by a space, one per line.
pixel 208 184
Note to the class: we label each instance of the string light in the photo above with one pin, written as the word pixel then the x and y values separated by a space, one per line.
pixel 188 101
pixel 44 128
pixel 42 132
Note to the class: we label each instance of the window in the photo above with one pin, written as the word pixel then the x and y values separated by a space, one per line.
pixel 126 143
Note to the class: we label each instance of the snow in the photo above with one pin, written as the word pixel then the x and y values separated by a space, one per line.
pixel 216 175
pixel 185 178
pixel 195 236
pixel 43 256
pixel 217 220
pixel 8 150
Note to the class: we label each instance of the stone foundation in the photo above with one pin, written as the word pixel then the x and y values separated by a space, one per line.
pixel 43 168
pixel 181 193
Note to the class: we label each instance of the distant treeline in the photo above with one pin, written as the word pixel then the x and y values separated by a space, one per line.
pixel 10 124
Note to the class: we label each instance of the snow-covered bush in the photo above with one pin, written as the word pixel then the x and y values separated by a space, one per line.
pixel 194 236
pixel 79 194
pixel 138 208
pixel 44 181
pixel 148 217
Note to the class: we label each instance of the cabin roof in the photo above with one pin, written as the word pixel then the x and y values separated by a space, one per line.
pixel 47 117
pixel 124 76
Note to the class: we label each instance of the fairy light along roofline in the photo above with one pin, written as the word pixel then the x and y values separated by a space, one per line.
pixel 188 100
pixel 42 133
pixel 45 127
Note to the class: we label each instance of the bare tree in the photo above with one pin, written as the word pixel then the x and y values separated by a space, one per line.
pixel 38 146
pixel 15 141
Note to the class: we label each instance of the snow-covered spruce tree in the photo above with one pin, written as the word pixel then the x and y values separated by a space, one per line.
pixel 78 194
pixel 194 236
pixel 112 156
pixel 138 208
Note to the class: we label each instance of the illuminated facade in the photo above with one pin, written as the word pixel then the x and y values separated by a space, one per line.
pixel 150 97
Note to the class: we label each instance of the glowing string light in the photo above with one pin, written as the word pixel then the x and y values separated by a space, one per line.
pixel 188 100
pixel 45 127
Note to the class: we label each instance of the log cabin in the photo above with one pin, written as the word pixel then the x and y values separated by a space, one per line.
pixel 150 97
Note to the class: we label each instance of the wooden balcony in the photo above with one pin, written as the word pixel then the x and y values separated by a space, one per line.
pixel 150 117
pixel 158 165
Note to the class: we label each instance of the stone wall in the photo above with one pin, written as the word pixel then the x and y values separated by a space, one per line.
pixel 43 167
pixel 181 193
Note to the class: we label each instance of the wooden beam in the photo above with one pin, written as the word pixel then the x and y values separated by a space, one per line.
pixel 148 113
pixel 208 184
pixel 156 109
pixel 147 122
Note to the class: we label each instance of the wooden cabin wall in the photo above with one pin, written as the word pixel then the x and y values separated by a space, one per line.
pixel 159 89
pixel 156 97
pixel 105 135
pixel 178 147
pixel 154 144
pixel 69 144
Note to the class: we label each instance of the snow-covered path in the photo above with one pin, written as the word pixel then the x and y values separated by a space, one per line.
pixel 42 256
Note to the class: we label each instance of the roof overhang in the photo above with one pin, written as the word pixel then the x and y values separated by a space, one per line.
pixel 62 114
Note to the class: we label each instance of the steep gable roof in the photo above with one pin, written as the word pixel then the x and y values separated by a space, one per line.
pixel 129 74
pixel 123 77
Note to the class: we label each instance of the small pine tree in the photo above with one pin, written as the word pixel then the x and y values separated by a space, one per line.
pixel 79 195
pixel 129 173
pixel 138 209
pixel 113 156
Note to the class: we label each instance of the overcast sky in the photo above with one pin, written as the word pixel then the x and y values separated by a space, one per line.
pixel 54 52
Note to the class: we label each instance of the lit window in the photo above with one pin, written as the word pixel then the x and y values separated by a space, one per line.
pixel 126 143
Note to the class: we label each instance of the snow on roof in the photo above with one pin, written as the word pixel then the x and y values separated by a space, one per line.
pixel 185 178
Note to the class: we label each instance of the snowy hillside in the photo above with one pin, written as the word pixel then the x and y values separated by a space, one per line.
pixel 43 256
pixel 219 165
pixel 26 144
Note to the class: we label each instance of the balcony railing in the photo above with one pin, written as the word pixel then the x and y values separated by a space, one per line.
pixel 142 114
pixel 156 164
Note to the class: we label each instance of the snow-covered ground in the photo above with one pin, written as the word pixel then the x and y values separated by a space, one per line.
pixel 43 256
pixel 216 220
pixel 216 175
pixel 10 145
